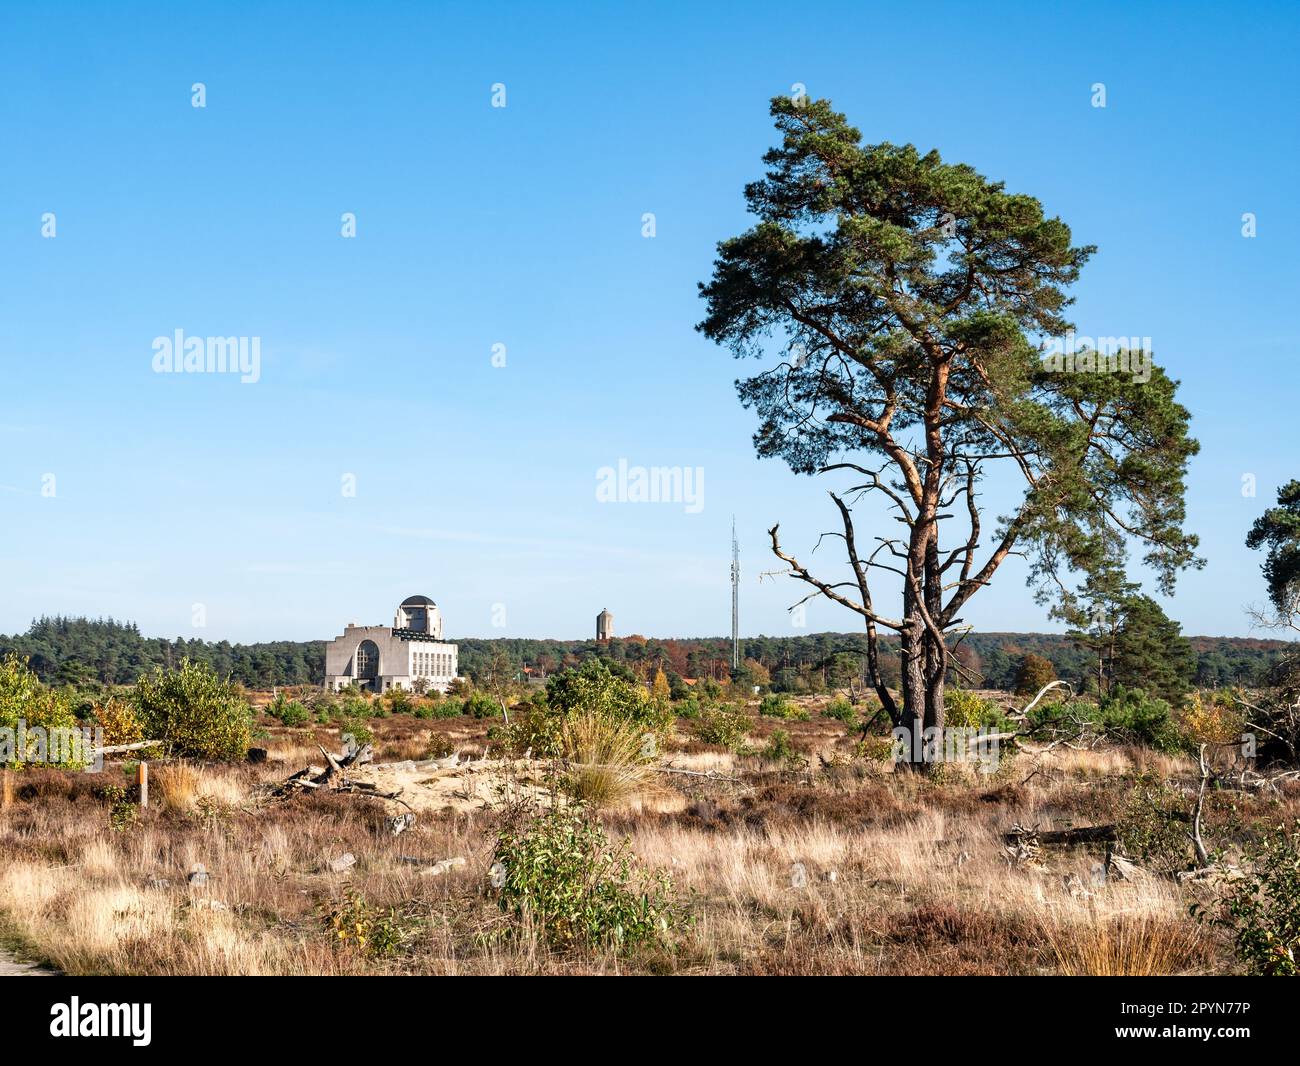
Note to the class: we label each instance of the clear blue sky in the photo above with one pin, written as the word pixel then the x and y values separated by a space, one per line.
pixel 522 226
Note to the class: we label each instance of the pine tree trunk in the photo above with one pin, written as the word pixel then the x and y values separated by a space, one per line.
pixel 912 713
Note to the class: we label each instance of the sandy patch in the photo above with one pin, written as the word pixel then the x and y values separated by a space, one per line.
pixel 483 784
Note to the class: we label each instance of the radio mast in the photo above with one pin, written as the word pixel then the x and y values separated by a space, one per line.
pixel 735 597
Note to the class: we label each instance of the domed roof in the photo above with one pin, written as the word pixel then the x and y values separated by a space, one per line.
pixel 418 601
pixel 604 614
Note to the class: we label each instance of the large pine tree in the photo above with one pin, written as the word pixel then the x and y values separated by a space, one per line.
pixel 898 302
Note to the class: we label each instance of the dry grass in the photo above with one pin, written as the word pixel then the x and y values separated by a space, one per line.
pixel 1128 945
pixel 852 870
pixel 181 786
pixel 177 786
pixel 609 761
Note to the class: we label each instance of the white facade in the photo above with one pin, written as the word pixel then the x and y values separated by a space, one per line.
pixel 378 658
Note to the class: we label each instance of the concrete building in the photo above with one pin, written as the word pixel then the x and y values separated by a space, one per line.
pixel 604 626
pixel 378 658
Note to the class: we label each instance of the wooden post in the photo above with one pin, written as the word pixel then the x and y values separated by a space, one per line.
pixel 142 778
pixel 6 788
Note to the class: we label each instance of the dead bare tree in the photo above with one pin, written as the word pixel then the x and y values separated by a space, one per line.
pixel 1198 842
pixel 334 777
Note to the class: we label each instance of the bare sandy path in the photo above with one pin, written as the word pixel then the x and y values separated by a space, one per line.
pixel 11 967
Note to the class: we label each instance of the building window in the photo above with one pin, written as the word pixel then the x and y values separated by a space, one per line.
pixel 367 660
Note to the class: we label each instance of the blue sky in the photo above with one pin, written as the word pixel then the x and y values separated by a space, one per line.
pixel 522 226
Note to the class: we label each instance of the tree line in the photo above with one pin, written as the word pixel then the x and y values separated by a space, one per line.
pixel 65 650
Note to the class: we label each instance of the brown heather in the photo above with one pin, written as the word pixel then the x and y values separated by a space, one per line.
pixel 846 869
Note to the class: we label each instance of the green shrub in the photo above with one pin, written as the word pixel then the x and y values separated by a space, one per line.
pixel 288 712
pixel 689 707
pixel 779 749
pixel 122 813
pixel 968 710
pixel 842 711
pixel 559 875
pixel 85 698
pixel 195 714
pixel 451 707
pixel 355 923
pixel 352 716
pixel 1065 718
pixel 395 701
pixel 774 706
pixel 353 705
pixel 1127 716
pixel 533 728
pixel 726 724
pixel 592 687
pixel 118 720
pixel 875 749
pixel 24 699
pixel 1131 716
pixel 440 746
pixel 481 705
pixel 358 729
pixel 443 708
pixel 1262 908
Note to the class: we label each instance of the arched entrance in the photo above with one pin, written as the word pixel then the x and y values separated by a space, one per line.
pixel 367 664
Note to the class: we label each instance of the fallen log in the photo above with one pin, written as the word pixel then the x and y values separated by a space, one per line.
pixel 1088 834
pixel 333 776
pixel 117 749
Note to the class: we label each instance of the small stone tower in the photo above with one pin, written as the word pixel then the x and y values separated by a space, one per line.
pixel 419 614
pixel 604 626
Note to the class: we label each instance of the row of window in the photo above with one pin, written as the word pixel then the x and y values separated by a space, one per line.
pixel 432 664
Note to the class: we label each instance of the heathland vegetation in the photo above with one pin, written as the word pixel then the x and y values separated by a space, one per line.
pixel 610 827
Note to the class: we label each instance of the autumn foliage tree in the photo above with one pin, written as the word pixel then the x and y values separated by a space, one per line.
pixel 1032 673
pixel 899 304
